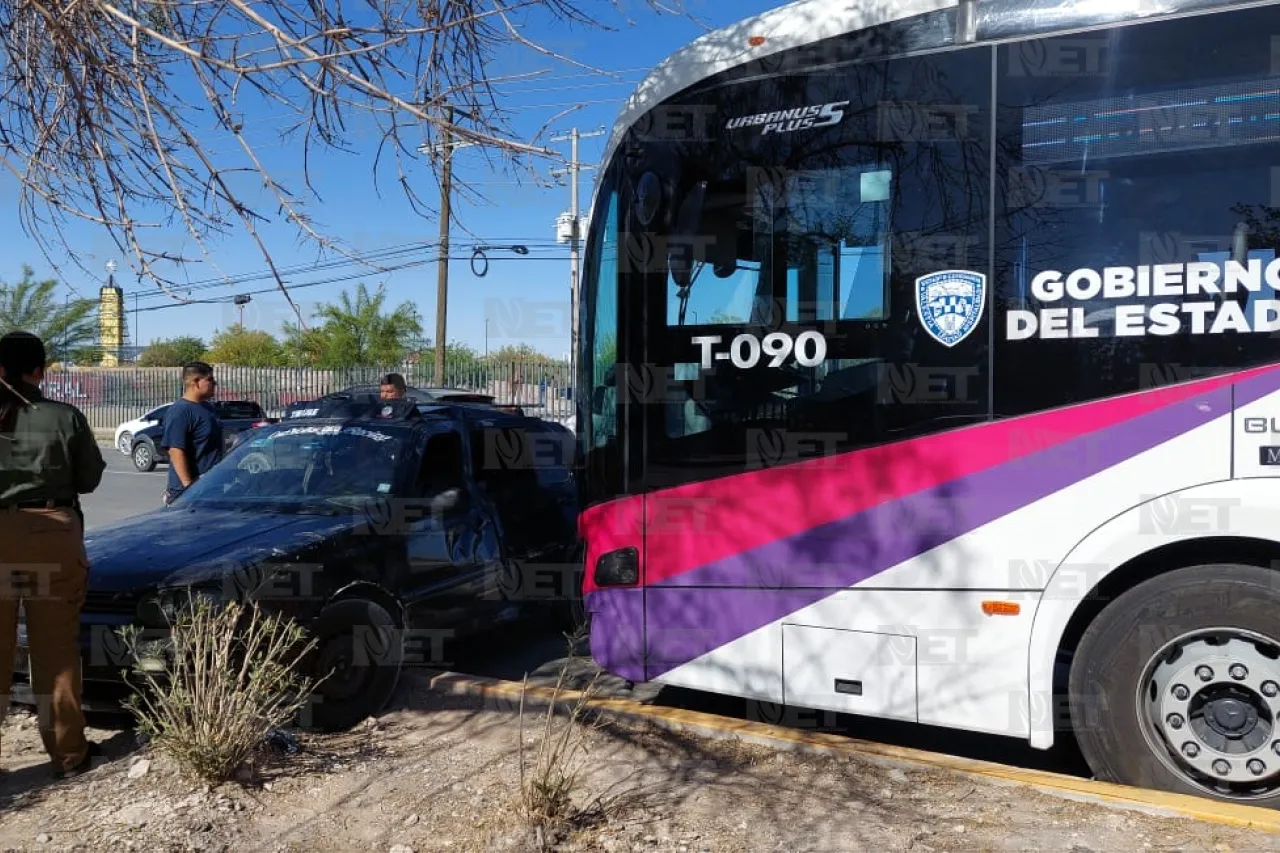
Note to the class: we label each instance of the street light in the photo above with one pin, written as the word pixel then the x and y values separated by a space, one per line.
pixel 241 300
pixel 478 254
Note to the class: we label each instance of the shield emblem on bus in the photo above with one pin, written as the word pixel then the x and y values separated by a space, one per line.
pixel 951 303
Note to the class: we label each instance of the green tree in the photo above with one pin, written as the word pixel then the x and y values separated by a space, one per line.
pixel 173 352
pixel 520 352
pixel 355 333
pixel 85 355
pixel 246 348
pixel 460 360
pixel 32 306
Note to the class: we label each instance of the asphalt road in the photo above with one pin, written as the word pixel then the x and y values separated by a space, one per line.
pixel 124 492
pixel 511 652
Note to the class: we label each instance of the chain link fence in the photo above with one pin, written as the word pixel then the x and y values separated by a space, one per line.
pixel 111 396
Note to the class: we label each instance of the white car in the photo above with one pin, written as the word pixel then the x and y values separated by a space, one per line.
pixel 126 430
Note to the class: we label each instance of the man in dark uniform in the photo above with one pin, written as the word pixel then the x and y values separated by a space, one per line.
pixel 48 458
pixel 192 432
pixel 392 387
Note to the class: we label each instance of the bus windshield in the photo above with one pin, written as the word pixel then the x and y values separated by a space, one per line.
pixel 774 278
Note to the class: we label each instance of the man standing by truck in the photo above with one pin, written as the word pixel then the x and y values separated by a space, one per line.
pixel 392 387
pixel 192 433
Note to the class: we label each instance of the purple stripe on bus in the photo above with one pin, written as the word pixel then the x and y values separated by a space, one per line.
pixel 617 631
pixel 1256 387
pixel 841 554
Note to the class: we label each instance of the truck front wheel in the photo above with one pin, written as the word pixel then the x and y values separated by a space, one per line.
pixel 1176 685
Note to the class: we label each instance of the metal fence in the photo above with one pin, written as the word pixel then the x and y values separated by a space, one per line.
pixel 110 396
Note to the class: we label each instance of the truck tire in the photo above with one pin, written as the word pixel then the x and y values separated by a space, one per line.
pixel 1176 685
pixel 359 653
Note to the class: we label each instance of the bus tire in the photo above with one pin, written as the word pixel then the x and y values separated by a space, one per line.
pixel 1175 686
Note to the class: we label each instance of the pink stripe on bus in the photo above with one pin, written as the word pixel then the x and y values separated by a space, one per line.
pixel 697 524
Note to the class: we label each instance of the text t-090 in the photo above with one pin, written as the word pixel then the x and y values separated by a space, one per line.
pixel 746 350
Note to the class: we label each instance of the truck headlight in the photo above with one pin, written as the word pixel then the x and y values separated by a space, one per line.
pixel 162 609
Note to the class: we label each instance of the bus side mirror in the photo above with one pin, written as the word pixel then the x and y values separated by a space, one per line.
pixel 680 256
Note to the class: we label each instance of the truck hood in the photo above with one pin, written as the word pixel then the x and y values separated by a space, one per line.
pixel 182 546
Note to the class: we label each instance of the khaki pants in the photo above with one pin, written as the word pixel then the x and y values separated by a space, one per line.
pixel 43 564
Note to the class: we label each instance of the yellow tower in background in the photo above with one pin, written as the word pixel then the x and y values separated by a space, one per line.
pixel 111 323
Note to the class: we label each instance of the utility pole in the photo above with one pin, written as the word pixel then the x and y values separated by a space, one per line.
pixel 574 167
pixel 442 267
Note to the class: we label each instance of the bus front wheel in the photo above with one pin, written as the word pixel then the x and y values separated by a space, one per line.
pixel 1176 685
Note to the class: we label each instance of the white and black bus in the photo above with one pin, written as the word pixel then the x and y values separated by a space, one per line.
pixel 929 372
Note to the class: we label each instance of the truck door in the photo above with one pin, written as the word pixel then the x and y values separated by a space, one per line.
pixel 451 550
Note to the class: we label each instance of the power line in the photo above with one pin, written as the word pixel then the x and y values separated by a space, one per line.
pixel 385 253
pixel 222 300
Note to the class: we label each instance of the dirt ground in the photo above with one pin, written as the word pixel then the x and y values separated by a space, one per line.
pixel 441 773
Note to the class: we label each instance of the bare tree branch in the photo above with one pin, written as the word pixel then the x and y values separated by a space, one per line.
pixel 112 111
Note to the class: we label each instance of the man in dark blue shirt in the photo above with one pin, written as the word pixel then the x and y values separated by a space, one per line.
pixel 192 433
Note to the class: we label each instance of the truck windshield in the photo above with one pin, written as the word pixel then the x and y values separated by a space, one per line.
pixel 295 465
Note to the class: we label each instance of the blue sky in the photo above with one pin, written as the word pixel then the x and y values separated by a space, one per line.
pixel 523 298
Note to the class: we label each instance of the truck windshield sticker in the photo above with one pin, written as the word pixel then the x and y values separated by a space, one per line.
pixel 1213 315
pixel 332 430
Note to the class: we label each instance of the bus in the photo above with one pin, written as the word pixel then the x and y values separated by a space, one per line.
pixel 929 372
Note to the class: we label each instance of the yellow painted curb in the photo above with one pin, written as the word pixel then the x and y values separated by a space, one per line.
pixel 1197 808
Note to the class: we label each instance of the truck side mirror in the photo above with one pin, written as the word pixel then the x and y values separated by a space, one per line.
pixel 446 501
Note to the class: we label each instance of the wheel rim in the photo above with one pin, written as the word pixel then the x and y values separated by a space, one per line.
pixel 345 680
pixel 1208 705
pixel 142 456
pixel 126 439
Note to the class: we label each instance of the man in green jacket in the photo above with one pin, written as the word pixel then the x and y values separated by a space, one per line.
pixel 48 458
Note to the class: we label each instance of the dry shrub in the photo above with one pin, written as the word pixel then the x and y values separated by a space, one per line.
pixel 548 785
pixel 232 678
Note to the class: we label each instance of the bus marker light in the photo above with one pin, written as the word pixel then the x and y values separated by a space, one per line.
pixel 756 41
pixel 1001 608
pixel 618 568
